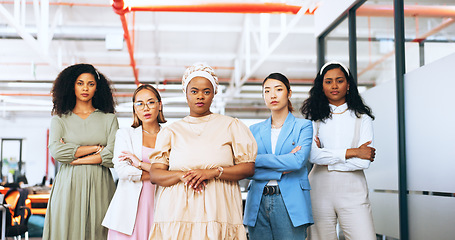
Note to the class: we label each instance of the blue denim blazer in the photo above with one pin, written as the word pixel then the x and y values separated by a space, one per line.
pixel 294 186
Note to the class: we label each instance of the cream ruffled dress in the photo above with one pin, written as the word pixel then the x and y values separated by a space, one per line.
pixel 202 143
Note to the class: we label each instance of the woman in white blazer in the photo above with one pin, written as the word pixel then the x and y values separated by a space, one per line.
pixel 130 212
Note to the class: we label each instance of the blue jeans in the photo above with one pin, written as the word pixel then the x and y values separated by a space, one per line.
pixel 273 221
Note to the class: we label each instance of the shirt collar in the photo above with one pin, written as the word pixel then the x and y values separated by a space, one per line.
pixel 338 109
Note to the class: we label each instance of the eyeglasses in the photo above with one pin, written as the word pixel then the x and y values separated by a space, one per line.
pixel 141 105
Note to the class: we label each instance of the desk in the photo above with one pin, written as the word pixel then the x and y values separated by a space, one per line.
pixel 39 199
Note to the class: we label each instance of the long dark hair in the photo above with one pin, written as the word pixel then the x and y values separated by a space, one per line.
pixel 280 77
pixel 136 121
pixel 316 106
pixel 64 97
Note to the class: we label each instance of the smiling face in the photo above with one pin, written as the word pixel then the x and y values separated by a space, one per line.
pixel 335 86
pixel 85 87
pixel 146 106
pixel 199 94
pixel 275 95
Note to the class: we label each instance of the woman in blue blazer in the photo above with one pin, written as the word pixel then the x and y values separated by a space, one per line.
pixel 278 205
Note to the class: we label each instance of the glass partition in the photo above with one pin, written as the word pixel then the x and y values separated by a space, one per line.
pixel 337 44
pixel 11 160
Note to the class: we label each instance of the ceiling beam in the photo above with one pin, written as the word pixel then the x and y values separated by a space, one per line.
pixel 249 71
pixel 431 11
pixel 28 38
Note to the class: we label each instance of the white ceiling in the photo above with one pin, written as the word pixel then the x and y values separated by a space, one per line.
pixel 36 43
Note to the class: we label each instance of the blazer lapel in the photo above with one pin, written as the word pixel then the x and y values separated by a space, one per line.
pixel 266 135
pixel 285 132
pixel 137 142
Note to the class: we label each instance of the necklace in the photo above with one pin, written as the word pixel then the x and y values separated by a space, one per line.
pixel 273 126
pixel 150 133
pixel 202 129
pixel 340 112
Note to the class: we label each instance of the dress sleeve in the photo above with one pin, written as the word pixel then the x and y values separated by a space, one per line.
pixel 162 147
pixel 63 153
pixel 366 134
pixel 123 142
pixel 244 145
pixel 107 153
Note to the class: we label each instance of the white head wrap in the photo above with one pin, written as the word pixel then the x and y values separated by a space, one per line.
pixel 201 71
pixel 334 62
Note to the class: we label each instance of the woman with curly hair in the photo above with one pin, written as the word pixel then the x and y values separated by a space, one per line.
pixel 198 163
pixel 82 136
pixel 341 150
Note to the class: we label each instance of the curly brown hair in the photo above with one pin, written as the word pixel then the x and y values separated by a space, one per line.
pixel 64 97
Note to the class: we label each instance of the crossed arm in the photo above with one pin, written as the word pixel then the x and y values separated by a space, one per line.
pixel 197 178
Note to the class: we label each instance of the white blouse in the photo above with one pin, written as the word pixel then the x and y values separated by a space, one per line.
pixel 336 135
pixel 274 138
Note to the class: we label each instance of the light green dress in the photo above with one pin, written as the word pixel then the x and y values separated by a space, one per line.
pixel 81 194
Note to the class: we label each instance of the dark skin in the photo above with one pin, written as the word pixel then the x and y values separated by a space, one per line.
pixel 84 88
pixel 199 94
pixel 85 155
pixel 335 87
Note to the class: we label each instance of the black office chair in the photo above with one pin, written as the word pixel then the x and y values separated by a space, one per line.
pixel 17 213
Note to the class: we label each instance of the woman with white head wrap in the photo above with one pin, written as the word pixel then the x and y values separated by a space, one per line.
pixel 198 171
pixel 200 70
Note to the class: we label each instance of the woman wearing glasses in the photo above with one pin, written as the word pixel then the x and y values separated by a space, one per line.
pixel 130 214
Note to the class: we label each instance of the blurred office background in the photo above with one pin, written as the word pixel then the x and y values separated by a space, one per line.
pixel 152 42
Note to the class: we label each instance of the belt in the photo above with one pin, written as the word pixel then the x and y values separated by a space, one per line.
pixel 271 190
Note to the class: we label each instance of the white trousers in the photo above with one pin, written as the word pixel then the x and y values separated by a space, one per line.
pixel 343 196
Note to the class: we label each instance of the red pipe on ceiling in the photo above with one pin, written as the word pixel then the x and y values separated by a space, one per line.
pixel 129 44
pixel 70 4
pixel 221 8
pixel 119 8
pixel 409 11
pixel 447 22
pixel 365 10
